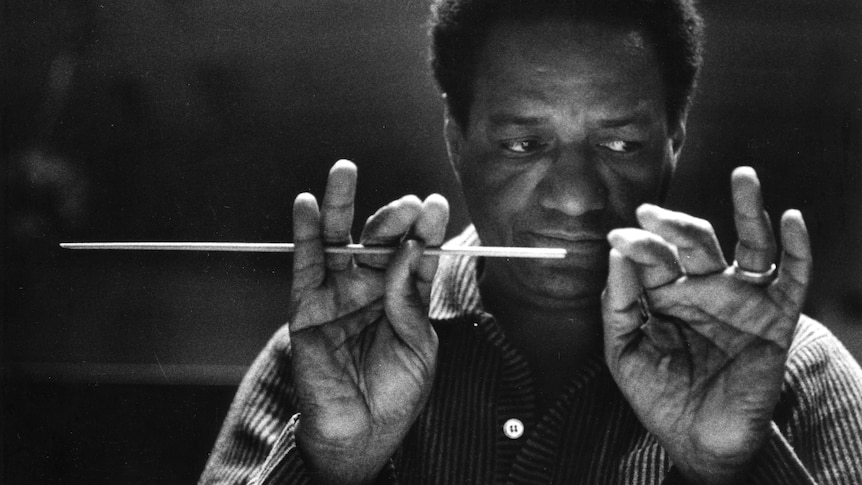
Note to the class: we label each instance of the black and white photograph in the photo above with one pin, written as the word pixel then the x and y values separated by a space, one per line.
pixel 431 242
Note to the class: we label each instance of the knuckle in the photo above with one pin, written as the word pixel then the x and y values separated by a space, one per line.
pixel 337 203
pixel 304 237
pixel 333 234
pixel 302 270
pixel 754 244
pixel 696 229
pixel 700 226
pixel 406 203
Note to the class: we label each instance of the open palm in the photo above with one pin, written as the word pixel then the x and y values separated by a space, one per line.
pixel 698 352
pixel 363 350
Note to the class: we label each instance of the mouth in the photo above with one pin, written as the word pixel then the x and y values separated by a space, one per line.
pixel 575 243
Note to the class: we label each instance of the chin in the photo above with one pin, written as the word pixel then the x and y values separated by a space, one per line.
pixel 564 281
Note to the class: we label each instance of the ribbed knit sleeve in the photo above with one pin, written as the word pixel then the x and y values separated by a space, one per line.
pixel 284 466
pixel 823 390
pixel 816 437
pixel 778 464
pixel 262 415
pixel 257 444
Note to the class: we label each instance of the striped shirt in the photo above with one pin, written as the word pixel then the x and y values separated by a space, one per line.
pixel 467 433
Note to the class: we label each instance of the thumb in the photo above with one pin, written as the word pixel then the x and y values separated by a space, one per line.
pixel 406 309
pixel 621 309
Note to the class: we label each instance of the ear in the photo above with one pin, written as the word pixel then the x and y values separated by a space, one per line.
pixel 454 136
pixel 677 138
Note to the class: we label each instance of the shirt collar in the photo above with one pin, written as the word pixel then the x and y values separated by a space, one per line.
pixel 455 291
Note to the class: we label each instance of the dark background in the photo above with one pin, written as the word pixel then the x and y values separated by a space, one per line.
pixel 201 120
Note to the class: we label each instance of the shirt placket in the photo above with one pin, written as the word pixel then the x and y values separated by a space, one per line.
pixel 527 445
pixel 515 406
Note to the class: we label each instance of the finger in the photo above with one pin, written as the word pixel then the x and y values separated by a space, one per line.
pixel 387 227
pixel 695 240
pixel 430 228
pixel 655 258
pixel 337 211
pixel 406 310
pixel 621 310
pixel 794 272
pixel 308 258
pixel 756 248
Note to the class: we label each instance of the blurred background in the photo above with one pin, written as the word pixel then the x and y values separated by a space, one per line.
pixel 168 121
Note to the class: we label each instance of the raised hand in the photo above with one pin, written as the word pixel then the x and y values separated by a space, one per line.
pixel 363 349
pixel 698 347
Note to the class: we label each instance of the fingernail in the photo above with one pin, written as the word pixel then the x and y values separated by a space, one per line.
pixel 411 244
pixel 343 163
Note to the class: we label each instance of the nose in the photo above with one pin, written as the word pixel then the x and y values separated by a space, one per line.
pixel 572 184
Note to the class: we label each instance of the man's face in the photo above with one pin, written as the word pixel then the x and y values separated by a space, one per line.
pixel 567 135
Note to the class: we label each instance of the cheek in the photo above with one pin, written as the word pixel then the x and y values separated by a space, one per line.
pixel 494 196
pixel 635 184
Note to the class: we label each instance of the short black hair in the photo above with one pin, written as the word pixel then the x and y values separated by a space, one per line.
pixel 459 27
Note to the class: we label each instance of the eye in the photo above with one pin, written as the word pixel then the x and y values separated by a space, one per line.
pixel 620 146
pixel 521 147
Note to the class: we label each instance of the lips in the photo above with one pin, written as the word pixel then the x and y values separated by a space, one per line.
pixel 574 243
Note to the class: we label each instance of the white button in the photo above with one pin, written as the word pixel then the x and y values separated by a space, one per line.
pixel 513 428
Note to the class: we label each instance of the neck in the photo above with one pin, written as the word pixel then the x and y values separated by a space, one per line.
pixel 554 338
pixel 575 330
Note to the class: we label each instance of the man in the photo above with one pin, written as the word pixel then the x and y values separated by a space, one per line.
pixel 642 357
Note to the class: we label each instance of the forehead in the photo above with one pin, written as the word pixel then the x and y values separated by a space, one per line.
pixel 567 63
